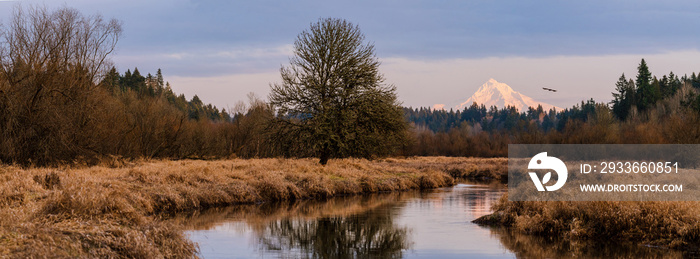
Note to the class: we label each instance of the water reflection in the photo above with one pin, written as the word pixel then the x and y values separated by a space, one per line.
pixel 343 227
pixel 527 246
pixel 408 224
pixel 368 234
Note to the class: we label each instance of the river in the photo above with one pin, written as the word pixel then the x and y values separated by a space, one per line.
pixel 413 224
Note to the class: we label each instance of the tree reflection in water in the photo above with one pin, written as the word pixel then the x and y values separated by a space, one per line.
pixel 366 227
pixel 370 234
pixel 529 246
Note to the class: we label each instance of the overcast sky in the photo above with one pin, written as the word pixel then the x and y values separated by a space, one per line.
pixel 433 51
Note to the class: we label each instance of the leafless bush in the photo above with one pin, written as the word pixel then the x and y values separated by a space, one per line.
pixel 49 64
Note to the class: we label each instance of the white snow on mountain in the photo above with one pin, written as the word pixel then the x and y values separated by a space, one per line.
pixel 501 95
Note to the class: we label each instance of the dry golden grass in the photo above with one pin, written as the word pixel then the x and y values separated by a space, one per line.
pixel 668 224
pixel 477 169
pixel 116 210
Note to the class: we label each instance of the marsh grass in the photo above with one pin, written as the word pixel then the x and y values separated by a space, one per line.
pixel 117 210
pixel 667 224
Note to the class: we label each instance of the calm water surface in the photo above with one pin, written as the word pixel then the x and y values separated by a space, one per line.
pixel 428 224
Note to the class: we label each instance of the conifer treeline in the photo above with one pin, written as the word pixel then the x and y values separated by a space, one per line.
pixel 155 86
pixel 645 110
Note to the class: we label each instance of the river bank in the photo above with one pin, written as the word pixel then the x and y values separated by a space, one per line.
pixel 674 225
pixel 116 210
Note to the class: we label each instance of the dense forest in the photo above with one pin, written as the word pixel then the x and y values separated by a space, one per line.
pixel 61 102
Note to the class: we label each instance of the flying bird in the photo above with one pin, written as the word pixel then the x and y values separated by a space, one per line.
pixel 549 89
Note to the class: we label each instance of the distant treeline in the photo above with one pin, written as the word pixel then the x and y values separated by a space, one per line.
pixel 645 110
pixel 154 86
pixel 62 102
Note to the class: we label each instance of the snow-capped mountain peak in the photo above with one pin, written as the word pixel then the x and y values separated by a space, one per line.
pixel 501 95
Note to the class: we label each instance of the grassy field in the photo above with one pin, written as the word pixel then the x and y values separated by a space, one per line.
pixel 117 210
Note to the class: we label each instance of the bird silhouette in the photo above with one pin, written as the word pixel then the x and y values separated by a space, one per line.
pixel 549 89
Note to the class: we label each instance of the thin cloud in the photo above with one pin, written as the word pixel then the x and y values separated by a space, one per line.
pixel 208 62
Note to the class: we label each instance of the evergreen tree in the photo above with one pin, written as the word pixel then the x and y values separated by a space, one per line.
pixel 673 84
pixel 150 85
pixel 125 80
pixel 111 80
pixel 547 122
pixel 623 99
pixel 695 80
pixel 647 94
pixel 194 110
pixel 159 77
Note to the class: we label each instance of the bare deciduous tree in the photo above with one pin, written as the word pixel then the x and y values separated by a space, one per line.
pixel 50 62
pixel 333 98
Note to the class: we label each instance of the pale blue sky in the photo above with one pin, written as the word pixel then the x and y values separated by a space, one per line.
pixel 433 51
